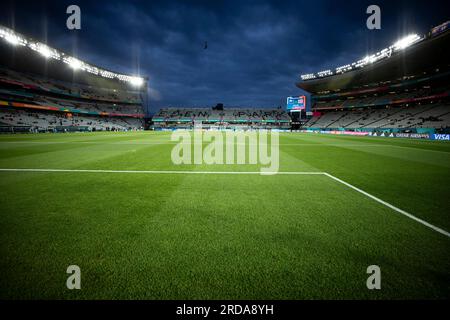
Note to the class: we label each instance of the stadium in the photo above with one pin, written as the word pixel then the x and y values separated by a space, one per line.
pixel 54 97
pixel 378 96
pixel 88 179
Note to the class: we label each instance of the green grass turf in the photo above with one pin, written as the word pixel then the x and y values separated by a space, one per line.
pixel 176 236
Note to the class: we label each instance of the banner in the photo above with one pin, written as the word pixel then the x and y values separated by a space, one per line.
pixel 400 135
pixel 439 136
pixel 351 133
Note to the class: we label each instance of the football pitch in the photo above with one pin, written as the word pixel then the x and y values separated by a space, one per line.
pixel 114 205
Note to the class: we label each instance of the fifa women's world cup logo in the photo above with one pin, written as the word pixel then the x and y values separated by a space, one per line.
pixel 216 147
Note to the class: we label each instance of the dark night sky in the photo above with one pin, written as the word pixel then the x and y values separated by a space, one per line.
pixel 256 49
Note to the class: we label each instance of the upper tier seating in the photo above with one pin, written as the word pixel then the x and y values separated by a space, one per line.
pixel 418 116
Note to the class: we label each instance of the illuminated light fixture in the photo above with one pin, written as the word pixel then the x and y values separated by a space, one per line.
pixel 136 81
pixel 12 39
pixel 44 50
pixel 406 41
pixel 369 59
pixel 75 63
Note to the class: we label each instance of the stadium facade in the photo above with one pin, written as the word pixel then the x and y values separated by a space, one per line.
pixel 43 89
pixel 222 119
pixel 402 90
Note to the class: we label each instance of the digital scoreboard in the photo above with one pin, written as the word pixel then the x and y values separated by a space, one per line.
pixel 296 103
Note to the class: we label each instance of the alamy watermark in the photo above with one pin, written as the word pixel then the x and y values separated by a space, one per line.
pixel 374 20
pixel 374 280
pixel 73 22
pixel 74 280
pixel 216 147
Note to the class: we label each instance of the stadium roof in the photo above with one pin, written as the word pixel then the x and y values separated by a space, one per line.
pixel 20 52
pixel 423 55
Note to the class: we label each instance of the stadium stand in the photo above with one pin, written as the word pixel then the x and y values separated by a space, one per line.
pixel 60 93
pixel 42 121
pixel 228 118
pixel 436 116
pixel 401 88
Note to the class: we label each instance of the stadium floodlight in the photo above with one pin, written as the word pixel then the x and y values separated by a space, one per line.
pixel 308 76
pixel 136 81
pixel 12 39
pixel 44 50
pixel 370 59
pixel 75 63
pixel 325 73
pixel 406 42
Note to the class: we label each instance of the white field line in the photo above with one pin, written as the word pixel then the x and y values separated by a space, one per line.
pixel 159 171
pixel 409 215
pixel 87 142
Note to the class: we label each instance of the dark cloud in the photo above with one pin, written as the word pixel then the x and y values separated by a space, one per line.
pixel 256 49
